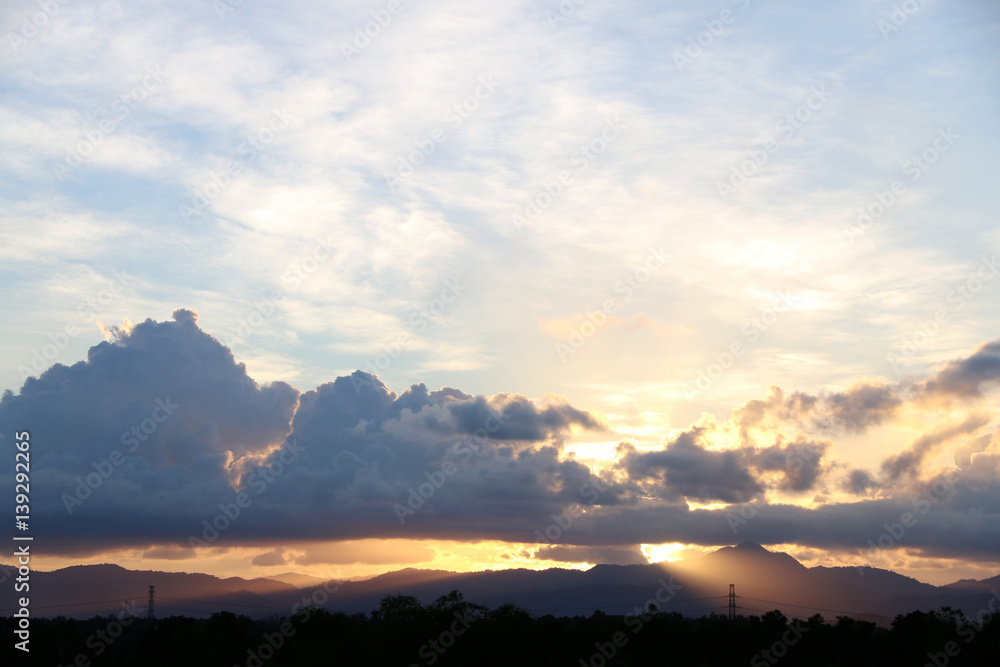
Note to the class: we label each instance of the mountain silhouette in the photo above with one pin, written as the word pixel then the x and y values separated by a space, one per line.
pixel 764 580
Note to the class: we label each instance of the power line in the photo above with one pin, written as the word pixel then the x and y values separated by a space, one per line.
pixel 69 604
pixel 231 604
pixel 803 606
pixel 92 614
pixel 704 609
pixel 99 612
pixel 228 603
pixel 731 606
pixel 620 606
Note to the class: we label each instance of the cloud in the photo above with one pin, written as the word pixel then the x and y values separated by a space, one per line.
pixel 572 554
pixel 954 526
pixel 566 328
pixel 169 552
pixel 854 410
pixel 274 557
pixel 909 463
pixel 859 481
pixel 370 552
pixel 331 463
pixel 800 463
pixel 967 378
pixel 166 390
pixel 334 466
pixel 520 419
pixel 685 468
pixel 964 454
pixel 688 468
pixel 862 406
pixel 870 403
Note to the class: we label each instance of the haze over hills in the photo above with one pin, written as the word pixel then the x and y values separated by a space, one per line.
pixel 764 580
pixel 297 579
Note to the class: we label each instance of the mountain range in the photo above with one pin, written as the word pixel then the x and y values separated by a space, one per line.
pixel 763 580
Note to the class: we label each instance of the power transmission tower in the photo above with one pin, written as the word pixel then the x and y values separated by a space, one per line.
pixel 732 602
pixel 150 607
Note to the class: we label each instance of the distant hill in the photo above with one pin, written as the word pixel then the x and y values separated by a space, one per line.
pixel 764 580
pixel 297 580
pixel 85 590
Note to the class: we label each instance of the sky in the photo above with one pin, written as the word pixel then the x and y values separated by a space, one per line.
pixel 345 287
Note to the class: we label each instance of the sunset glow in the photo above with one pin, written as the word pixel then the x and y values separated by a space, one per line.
pixel 506 287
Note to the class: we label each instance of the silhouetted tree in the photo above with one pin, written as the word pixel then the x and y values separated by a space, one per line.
pixel 404 632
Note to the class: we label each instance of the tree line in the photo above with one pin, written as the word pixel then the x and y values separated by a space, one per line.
pixel 402 632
